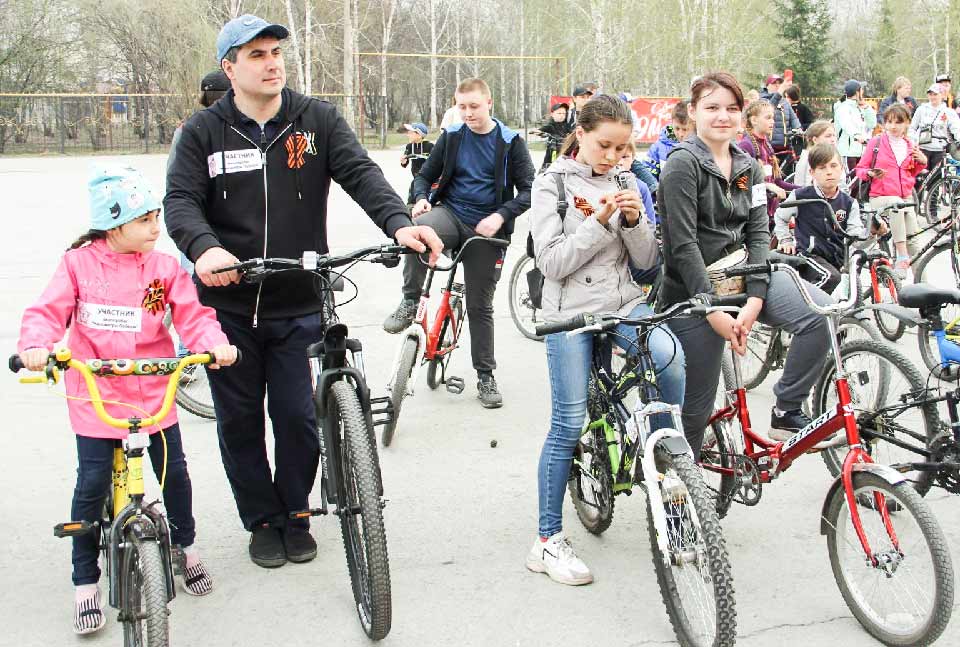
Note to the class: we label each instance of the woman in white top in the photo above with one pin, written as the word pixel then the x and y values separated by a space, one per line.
pixel 819 132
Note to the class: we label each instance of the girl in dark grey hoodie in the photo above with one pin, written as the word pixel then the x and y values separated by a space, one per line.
pixel 714 201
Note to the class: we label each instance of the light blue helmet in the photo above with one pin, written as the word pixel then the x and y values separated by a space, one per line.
pixel 118 194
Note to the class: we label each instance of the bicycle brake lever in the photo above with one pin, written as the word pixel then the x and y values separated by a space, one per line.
pixel 585 329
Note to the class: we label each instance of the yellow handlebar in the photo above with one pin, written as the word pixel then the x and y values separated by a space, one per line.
pixel 63 355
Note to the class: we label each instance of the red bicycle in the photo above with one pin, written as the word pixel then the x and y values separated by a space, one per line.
pixel 888 554
pixel 430 342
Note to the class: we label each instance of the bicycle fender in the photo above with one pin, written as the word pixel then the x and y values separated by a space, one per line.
pixel 906 315
pixel 887 473
pixel 330 375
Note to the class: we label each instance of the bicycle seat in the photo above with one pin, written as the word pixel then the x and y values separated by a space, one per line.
pixel 921 295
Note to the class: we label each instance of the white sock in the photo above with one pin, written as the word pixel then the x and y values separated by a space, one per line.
pixel 85 591
pixel 191 556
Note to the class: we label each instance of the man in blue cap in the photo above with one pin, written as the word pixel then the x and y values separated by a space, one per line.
pixel 250 179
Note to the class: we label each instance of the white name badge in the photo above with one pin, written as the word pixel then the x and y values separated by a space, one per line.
pixel 247 159
pixel 759 195
pixel 108 317
pixel 767 170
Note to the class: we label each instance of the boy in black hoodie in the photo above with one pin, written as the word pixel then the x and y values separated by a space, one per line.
pixel 250 179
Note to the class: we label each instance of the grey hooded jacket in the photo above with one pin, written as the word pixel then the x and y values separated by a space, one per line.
pixel 704 218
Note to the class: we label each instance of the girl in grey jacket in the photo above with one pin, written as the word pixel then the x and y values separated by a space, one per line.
pixel 585 257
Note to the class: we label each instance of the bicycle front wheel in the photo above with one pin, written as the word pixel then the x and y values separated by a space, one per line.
pixel 361 515
pixel 694 576
pixel 878 375
pixel 903 593
pixel 888 285
pixel 398 388
pixel 437 369
pixel 941 197
pixel 524 314
pixel 143 598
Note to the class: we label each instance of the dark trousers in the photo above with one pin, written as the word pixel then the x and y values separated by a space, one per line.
pixel 934 159
pixel 94 479
pixel 831 281
pixel 274 365
pixel 482 265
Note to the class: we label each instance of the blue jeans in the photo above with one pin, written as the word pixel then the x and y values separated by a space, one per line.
pixel 94 479
pixel 569 360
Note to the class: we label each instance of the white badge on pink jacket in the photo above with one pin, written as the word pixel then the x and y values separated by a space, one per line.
pixel 109 317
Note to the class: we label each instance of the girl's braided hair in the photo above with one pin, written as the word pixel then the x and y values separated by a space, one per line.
pixel 600 109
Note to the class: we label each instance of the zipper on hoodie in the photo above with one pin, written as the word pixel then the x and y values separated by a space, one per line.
pixel 266 200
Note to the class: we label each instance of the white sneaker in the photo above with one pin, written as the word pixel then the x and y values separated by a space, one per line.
pixel 556 558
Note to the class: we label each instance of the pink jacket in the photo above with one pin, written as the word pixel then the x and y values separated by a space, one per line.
pixel 93 276
pixel 899 179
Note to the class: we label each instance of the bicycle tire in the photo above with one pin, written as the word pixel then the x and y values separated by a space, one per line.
pixel 711 554
pixel 596 518
pixel 198 386
pixel 889 326
pixel 522 312
pixel 366 547
pixel 144 593
pixel 398 390
pixel 941 192
pixel 927 342
pixel 447 340
pixel 931 541
pixel 716 452
pixel 893 360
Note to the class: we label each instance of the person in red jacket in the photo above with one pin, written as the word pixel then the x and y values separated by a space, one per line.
pixel 891 162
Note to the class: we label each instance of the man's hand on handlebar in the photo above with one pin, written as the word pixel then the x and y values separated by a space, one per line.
pixel 225 354
pixel 35 359
pixel 214 259
pixel 419 238
pixel 422 207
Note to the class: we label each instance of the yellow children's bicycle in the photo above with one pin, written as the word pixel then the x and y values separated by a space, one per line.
pixel 134 536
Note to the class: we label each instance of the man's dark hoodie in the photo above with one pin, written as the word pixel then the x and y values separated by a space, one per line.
pixel 272 202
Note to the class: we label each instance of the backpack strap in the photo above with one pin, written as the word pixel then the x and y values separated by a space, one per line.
pixel 561 196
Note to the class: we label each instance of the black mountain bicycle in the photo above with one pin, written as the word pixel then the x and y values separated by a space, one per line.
pixel 346 415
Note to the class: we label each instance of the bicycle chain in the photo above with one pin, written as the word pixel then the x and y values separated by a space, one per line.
pixel 747 491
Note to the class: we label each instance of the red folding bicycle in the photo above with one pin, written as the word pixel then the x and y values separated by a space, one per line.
pixel 888 554
pixel 430 342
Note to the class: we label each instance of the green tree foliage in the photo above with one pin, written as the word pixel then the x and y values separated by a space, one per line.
pixel 804 44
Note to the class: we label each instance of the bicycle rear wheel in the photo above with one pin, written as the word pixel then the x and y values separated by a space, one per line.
pixel 398 388
pixel 906 598
pixel 877 376
pixel 143 597
pixel 942 195
pixel 448 341
pixel 591 483
pixel 936 269
pixel 694 578
pixel 360 511
pixel 525 316
pixel 755 363
pixel 193 392
pixel 888 285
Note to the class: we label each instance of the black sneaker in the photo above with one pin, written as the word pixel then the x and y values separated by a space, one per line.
pixel 785 424
pixel 266 547
pixel 300 546
pixel 401 317
pixel 488 393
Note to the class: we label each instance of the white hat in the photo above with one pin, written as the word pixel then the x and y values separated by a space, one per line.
pixel 936 88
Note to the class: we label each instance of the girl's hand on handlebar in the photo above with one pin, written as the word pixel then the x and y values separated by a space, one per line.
pixel 213 259
pixel 745 320
pixel 35 359
pixel 629 204
pixel 225 355
pixel 724 325
pixel 419 238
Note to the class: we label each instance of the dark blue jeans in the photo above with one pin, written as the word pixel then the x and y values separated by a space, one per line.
pixel 94 478
pixel 274 366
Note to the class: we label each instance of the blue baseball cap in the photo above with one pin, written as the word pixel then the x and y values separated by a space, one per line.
pixel 118 194
pixel 242 30
pixel 417 127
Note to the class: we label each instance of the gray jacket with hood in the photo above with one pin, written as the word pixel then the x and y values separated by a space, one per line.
pixel 584 263
pixel 704 217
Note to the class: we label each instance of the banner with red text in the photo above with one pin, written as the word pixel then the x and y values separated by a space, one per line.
pixel 653 113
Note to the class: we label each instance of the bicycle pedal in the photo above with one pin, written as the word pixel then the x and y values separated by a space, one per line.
pixel 381 410
pixel 74 528
pixel 455 385
pixel 305 514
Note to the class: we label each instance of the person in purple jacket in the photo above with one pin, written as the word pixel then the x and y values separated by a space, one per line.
pixel 756 143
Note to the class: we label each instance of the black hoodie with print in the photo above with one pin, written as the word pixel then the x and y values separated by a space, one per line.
pixel 272 201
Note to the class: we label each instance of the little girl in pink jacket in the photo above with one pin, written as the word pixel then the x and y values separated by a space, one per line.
pixel 891 162
pixel 112 290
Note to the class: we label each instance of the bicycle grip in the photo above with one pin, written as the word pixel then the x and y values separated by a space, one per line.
pixel 561 326
pixel 747 270
pixel 15 363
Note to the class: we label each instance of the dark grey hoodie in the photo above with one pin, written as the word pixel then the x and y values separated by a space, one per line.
pixel 703 218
